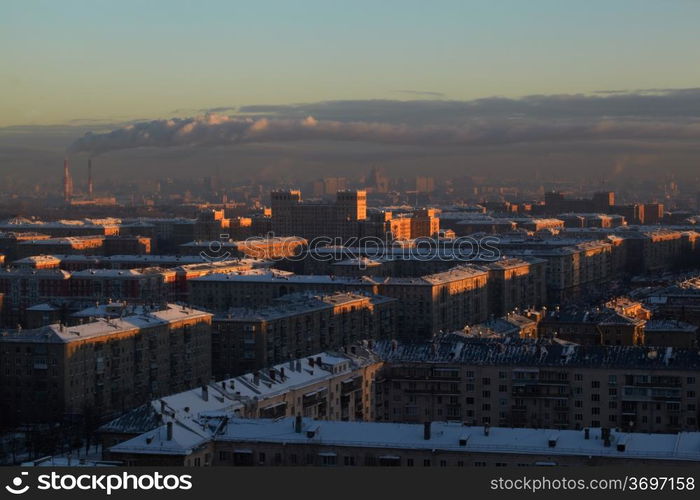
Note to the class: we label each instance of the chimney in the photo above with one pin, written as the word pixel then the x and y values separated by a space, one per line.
pixel 318 361
pixel 426 430
pixel 297 424
pixel 272 374
pixel 67 182
pixel 586 433
pixel 282 374
pixel 311 362
pixel 89 184
pixel 205 392
pixel 256 378
pixel 486 430
pixel 169 435
pixel 298 365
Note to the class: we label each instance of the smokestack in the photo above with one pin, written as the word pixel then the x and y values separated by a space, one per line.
pixel 426 430
pixel 89 184
pixel 297 424
pixel 169 428
pixel 67 182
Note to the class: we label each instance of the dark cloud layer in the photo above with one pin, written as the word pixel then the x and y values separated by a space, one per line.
pixel 649 115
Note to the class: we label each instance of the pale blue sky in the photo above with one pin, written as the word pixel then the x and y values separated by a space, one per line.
pixel 66 60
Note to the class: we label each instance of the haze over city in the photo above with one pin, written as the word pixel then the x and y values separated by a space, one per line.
pixel 463 89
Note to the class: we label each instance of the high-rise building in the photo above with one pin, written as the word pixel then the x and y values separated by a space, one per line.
pixel 90 371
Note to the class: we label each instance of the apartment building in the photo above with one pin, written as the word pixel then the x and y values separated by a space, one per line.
pixel 428 304
pixel 127 245
pixel 516 283
pixel 68 245
pixel 26 287
pixel 257 248
pixel 62 228
pixel 526 383
pixel 297 325
pixel 573 269
pixel 147 285
pixel 330 385
pixel 95 370
pixel 592 326
pixel 670 333
pixel 345 218
pixel 10 240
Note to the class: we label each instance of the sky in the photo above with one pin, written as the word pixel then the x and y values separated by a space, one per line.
pixel 92 61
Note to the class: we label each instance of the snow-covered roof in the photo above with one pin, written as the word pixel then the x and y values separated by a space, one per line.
pixel 444 436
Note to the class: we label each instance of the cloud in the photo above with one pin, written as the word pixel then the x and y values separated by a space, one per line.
pixel 652 115
pixel 217 130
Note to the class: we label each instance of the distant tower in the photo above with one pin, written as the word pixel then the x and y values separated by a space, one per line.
pixel 89 185
pixel 67 182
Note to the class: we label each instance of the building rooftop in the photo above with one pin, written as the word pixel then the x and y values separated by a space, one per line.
pixel 298 303
pixel 64 334
pixel 326 436
pixel 669 325
pixel 277 276
pixel 294 374
pixel 534 353
pixel 230 395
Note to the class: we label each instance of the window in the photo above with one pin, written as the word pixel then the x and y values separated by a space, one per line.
pixel 261 458
pixel 595 384
pixel 426 462
pixel 443 463
pixel 409 462
pixel 349 460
